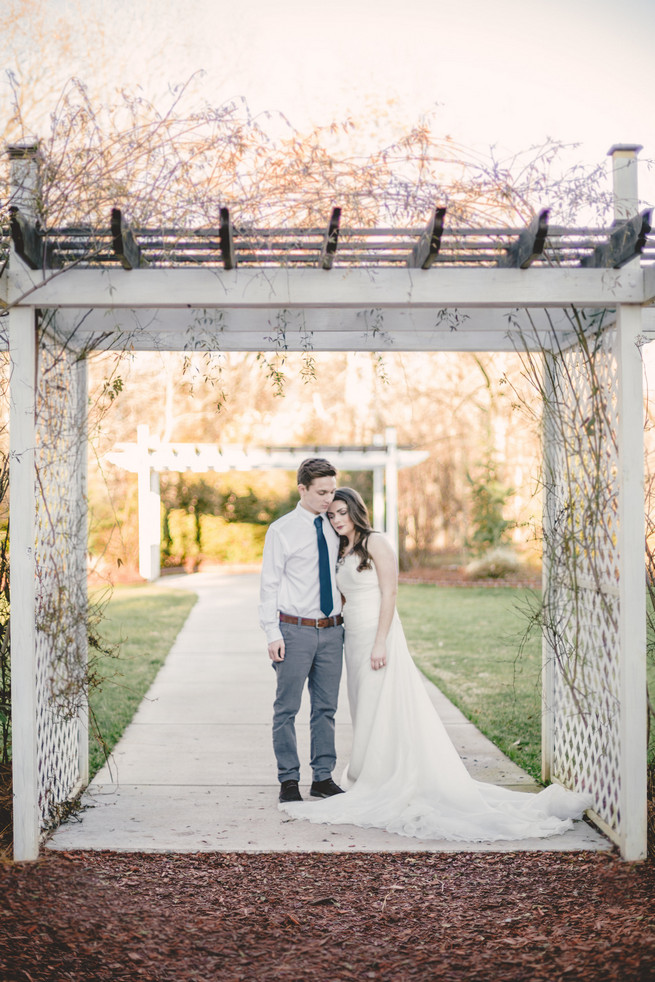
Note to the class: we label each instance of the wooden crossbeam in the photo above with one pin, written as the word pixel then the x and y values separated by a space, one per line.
pixel 282 288
pixel 625 242
pixel 331 240
pixel 529 245
pixel 125 246
pixel 427 248
pixel 29 242
pixel 226 240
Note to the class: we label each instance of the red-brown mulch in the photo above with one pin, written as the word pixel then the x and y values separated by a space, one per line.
pixel 533 917
pixel 456 576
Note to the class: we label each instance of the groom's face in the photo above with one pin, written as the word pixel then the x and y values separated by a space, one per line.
pixel 317 497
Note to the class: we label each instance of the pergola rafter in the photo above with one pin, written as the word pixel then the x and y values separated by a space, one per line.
pixel 432 289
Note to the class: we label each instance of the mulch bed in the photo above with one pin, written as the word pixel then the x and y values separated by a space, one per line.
pixel 533 917
pixel 515 917
pixel 456 576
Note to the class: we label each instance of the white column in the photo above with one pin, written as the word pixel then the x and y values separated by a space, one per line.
pixel 624 180
pixel 632 587
pixel 82 549
pixel 378 489
pixel 391 486
pixel 549 469
pixel 149 510
pixel 22 347
pixel 25 162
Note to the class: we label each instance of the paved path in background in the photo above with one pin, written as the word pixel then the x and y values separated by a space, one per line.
pixel 195 770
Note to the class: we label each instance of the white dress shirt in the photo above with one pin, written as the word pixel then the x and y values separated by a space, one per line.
pixel 289 580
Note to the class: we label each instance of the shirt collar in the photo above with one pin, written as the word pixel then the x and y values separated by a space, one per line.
pixel 307 515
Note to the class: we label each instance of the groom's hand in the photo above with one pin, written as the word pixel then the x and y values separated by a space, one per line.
pixel 276 650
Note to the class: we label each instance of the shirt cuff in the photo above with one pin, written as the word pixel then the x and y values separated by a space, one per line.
pixel 273 634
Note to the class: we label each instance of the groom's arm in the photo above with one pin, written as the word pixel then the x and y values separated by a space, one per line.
pixel 273 561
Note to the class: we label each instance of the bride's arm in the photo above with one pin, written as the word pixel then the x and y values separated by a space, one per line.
pixel 384 560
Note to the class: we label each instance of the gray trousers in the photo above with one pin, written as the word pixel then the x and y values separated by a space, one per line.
pixel 314 655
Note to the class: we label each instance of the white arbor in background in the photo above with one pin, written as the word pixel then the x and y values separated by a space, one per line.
pixel 148 458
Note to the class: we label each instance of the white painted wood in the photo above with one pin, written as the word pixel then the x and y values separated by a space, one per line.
pixel 378 498
pixel 378 489
pixel 320 328
pixel 82 549
pixel 320 342
pixel 548 511
pixel 362 289
pixel 193 324
pixel 203 457
pixel 22 334
pixel 149 508
pixel 648 273
pixel 24 176
pixel 625 180
pixel 632 586
pixel 391 486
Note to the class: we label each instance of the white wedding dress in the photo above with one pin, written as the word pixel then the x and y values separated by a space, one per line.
pixel 404 774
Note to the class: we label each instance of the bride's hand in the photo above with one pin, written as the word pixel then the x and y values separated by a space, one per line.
pixel 378 657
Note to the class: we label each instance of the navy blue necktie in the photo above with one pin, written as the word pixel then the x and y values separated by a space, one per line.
pixel 324 578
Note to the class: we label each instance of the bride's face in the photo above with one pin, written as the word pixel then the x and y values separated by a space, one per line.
pixel 340 518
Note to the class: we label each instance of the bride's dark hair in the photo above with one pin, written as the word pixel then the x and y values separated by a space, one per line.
pixel 358 514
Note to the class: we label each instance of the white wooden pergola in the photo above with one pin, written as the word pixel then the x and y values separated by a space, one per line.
pixel 147 458
pixel 73 290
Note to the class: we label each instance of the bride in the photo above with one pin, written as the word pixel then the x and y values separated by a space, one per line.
pixel 404 774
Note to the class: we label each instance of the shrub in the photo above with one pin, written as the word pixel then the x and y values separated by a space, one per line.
pixel 222 541
pixel 493 565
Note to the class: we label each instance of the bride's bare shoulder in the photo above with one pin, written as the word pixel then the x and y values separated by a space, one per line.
pixel 379 546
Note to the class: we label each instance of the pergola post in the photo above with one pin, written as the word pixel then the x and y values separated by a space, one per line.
pixel 632 627
pixel 149 510
pixel 549 511
pixel 22 478
pixel 391 487
pixel 378 489
pixel 632 588
pixel 22 428
pixel 624 180
pixel 82 494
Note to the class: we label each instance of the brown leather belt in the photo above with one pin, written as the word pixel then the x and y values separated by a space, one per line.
pixel 333 621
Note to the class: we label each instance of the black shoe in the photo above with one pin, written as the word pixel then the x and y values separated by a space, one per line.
pixel 289 791
pixel 325 789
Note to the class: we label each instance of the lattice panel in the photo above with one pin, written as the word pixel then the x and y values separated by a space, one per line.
pixel 61 574
pixel 581 543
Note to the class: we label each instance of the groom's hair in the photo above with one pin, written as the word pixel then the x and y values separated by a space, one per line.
pixel 314 467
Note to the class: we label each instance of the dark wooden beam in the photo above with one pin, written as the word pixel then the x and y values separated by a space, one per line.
pixel 125 246
pixel 331 240
pixel 626 241
pixel 529 245
pixel 226 239
pixel 427 248
pixel 30 243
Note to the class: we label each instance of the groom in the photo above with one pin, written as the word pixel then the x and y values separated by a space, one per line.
pixel 300 613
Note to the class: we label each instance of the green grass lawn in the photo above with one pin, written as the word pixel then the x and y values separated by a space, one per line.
pixel 467 640
pixel 144 621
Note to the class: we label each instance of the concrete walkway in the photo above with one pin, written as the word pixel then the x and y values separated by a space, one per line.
pixel 195 770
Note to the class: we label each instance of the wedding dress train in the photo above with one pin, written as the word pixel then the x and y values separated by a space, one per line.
pixel 404 774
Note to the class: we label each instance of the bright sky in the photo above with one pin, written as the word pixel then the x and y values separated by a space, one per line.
pixel 502 71
pixel 505 72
